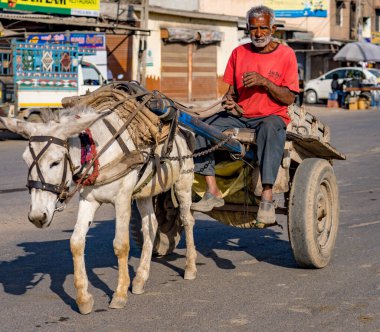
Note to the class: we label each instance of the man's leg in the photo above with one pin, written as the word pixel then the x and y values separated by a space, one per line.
pixel 205 165
pixel 270 141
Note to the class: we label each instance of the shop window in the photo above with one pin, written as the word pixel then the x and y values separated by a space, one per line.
pixel 377 20
pixel 339 13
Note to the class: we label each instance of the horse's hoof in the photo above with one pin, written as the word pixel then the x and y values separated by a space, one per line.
pixel 190 274
pixel 118 302
pixel 138 288
pixel 86 307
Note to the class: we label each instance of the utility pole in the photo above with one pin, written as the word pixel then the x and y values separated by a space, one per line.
pixel 144 19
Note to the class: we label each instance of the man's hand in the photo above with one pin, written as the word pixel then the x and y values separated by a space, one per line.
pixel 280 93
pixel 253 79
pixel 228 102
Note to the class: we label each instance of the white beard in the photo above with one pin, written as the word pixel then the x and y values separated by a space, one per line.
pixel 262 42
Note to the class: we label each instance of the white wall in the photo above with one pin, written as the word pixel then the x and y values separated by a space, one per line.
pixel 154 40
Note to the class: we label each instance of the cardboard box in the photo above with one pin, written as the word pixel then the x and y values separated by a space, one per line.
pixel 353 104
pixel 363 104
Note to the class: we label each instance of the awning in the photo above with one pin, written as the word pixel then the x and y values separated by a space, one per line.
pixel 183 35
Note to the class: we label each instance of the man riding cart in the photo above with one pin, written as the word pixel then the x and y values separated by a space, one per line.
pixel 263 81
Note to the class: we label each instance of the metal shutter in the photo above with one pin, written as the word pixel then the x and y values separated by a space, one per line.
pixel 204 80
pixel 174 70
pixel 119 55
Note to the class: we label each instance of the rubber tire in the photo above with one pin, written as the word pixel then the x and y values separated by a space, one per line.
pixel 169 225
pixel 311 97
pixel 314 186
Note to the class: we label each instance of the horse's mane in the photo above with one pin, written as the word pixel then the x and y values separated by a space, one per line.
pixel 75 110
pixel 58 115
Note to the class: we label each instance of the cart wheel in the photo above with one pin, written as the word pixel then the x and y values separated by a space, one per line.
pixel 169 225
pixel 313 217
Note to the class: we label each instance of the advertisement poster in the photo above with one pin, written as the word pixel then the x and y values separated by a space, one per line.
pixel 298 8
pixel 63 7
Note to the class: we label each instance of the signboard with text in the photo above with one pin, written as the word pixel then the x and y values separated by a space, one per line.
pixel 95 41
pixel 298 8
pixel 64 7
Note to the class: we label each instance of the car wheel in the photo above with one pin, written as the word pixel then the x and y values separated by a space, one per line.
pixel 311 97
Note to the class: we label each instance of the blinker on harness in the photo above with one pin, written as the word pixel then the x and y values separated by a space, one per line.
pixel 60 189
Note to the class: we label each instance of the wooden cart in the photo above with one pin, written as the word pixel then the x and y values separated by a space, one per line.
pixel 306 182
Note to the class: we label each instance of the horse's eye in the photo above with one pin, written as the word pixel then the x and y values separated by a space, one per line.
pixel 56 163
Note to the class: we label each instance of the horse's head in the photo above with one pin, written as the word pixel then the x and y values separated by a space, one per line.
pixel 48 160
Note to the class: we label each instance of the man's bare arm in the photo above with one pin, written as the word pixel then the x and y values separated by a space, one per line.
pixel 230 98
pixel 280 93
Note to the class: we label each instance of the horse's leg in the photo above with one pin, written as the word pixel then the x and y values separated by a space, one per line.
pixel 121 248
pixel 149 229
pixel 183 193
pixel 86 214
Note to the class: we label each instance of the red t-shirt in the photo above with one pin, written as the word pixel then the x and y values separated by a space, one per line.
pixel 279 66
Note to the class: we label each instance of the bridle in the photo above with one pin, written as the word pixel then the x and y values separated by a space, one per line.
pixel 60 190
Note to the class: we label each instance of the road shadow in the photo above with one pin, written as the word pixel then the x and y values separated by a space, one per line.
pixel 53 260
pixel 211 237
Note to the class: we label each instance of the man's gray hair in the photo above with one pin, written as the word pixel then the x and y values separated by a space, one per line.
pixel 259 11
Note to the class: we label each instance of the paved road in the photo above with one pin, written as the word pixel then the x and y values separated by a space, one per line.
pixel 247 281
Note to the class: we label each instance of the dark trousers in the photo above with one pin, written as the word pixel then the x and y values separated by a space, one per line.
pixel 270 141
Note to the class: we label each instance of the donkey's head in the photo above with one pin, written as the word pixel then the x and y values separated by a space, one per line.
pixel 48 159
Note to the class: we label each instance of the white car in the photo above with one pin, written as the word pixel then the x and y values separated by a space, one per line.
pixel 376 72
pixel 319 88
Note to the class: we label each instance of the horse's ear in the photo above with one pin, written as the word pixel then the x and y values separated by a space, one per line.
pixel 72 125
pixel 20 127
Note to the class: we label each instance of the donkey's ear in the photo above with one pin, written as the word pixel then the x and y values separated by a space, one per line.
pixel 72 125
pixel 23 128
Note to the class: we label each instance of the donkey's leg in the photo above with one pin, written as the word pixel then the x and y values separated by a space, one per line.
pixel 149 229
pixel 121 248
pixel 183 192
pixel 86 214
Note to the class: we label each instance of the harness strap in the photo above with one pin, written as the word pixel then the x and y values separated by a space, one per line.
pixel 57 189
pixel 50 140
pixel 112 130
pixel 168 145
pixel 44 186
pixel 146 98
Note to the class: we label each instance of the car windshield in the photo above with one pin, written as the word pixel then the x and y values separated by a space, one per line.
pixel 375 72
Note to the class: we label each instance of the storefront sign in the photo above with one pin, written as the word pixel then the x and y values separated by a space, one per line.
pixel 64 7
pixel 95 41
pixel 89 40
pixel 298 8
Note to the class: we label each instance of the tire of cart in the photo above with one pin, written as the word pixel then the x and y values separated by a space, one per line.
pixel 169 228
pixel 313 215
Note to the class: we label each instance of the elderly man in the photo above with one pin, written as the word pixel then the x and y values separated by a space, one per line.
pixel 263 80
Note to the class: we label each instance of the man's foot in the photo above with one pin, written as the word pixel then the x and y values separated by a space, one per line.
pixel 207 203
pixel 266 213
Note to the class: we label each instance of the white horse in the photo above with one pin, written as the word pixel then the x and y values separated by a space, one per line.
pixel 53 157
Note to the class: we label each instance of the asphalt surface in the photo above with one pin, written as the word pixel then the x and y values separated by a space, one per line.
pixel 247 279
